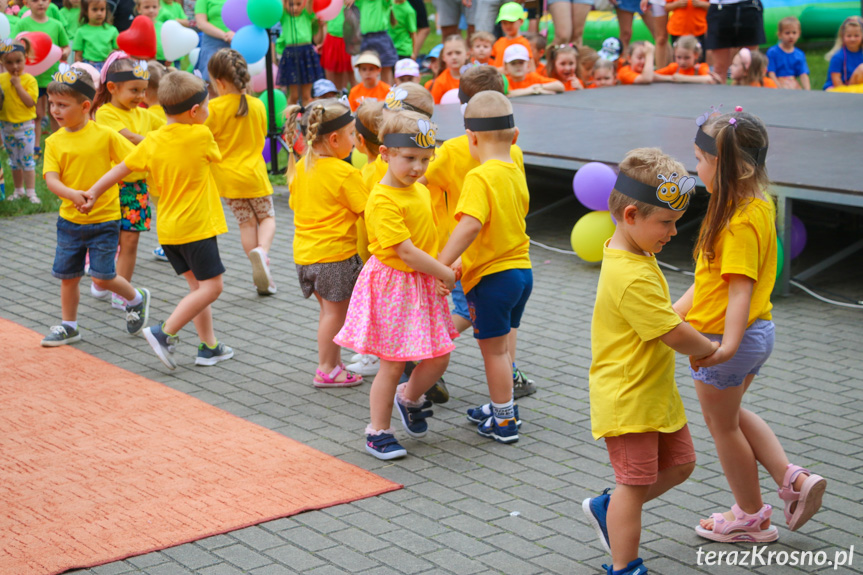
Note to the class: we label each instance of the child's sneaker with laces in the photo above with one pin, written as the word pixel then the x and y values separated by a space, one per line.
pixel 212 355
pixel 137 315
pixel 521 386
pixel 483 412
pixel 163 344
pixel 414 418
pixel 504 432
pixel 635 567
pixel 384 446
pixel 61 335
pixel 596 509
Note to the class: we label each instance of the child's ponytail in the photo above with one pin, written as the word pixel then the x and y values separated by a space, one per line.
pixel 293 133
pixel 229 66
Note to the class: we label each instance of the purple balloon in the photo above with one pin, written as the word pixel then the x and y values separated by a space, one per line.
pixel 234 14
pixel 592 185
pixel 798 236
pixel 267 153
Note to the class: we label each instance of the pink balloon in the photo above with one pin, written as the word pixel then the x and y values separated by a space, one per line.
pixel 450 97
pixel 94 73
pixel 330 11
pixel 52 58
pixel 259 81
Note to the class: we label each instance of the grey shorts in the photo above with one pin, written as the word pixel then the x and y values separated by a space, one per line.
pixel 332 281
pixel 587 2
pixel 755 347
pixel 245 209
pixel 449 12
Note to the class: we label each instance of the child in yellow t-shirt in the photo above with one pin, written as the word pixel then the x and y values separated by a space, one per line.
pixel 490 245
pixel 190 214
pixel 395 311
pixel 85 225
pixel 17 115
pixel 327 197
pixel 735 270
pixel 239 124
pixel 634 402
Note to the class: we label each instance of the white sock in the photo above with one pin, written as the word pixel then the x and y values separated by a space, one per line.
pixel 31 191
pixel 135 300
pixel 503 411
pixel 72 324
pixel 19 191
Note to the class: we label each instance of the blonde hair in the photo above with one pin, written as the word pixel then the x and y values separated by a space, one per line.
pixel 490 105
pixel 688 42
pixel 556 51
pixel 61 89
pixel 635 46
pixel 642 164
pixel 179 86
pixel 229 66
pixel 789 21
pixel 316 114
pixel 587 55
pixel 157 71
pixel 849 21
pixel 418 97
pixel 480 79
pixel 369 115
pixel 482 36
pixel 402 123
pixel 756 71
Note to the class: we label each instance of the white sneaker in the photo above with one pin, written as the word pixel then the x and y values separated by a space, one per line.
pixel 17 194
pixel 261 272
pixel 356 357
pixel 366 365
pixel 99 293
pixel 118 302
pixel 34 199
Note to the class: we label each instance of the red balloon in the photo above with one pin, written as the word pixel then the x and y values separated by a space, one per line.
pixel 318 5
pixel 40 45
pixel 139 40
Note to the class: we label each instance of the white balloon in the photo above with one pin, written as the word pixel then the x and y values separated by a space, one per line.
pixel 256 68
pixel 5 29
pixel 193 57
pixel 177 41
pixel 451 97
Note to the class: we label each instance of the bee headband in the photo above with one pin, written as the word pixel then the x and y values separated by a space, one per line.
pixel 489 124
pixel 139 72
pixel 670 194
pixel 424 138
pixel 395 102
pixel 72 77
pixel 7 47
pixel 336 123
pixel 187 104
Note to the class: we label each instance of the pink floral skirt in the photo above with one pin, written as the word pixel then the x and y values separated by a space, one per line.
pixel 397 316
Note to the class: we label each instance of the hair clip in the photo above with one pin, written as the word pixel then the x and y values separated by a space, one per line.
pixel 702 119
pixel 733 122
pixel 738 108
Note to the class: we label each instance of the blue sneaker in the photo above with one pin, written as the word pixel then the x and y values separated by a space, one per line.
pixel 163 344
pixel 414 418
pixel 596 508
pixel 635 567
pixel 384 446
pixel 483 412
pixel 505 432
pixel 213 355
pixel 159 254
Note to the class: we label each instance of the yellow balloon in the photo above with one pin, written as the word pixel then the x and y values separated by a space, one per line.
pixel 358 160
pixel 590 234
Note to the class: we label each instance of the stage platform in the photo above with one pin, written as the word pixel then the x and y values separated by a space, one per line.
pixel 816 138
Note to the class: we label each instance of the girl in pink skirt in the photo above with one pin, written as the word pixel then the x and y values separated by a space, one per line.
pixel 396 312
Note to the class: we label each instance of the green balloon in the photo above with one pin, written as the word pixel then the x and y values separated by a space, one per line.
pixel 264 13
pixel 505 84
pixel 281 103
pixel 780 257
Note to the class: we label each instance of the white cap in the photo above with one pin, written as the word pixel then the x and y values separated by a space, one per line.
pixel 407 67
pixel 368 58
pixel 516 52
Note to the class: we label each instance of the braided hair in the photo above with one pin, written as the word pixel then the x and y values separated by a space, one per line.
pixel 316 114
pixel 229 66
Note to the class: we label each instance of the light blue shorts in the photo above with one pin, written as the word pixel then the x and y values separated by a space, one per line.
pixel 755 347
pixel 459 302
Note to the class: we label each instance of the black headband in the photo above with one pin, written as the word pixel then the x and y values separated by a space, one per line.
pixel 707 143
pixel 670 194
pixel 128 75
pixel 335 123
pixel 366 133
pixel 462 97
pixel 9 48
pixel 409 141
pixel 489 124
pixel 72 77
pixel 187 104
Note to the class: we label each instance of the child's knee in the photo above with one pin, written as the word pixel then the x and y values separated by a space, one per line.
pixel 680 473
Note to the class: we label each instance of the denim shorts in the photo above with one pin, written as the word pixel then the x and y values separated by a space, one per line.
pixel 75 240
pixel 381 43
pixel 755 347
pixel 633 6
pixel 459 302
pixel 497 302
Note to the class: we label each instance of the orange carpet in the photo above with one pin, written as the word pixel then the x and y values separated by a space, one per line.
pixel 98 464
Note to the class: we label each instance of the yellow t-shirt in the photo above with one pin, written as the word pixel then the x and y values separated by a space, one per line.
pixel 746 247
pixel 136 120
pixel 179 159
pixel 394 215
pixel 242 172
pixel 632 388
pixel 447 171
pixel 14 110
pixel 159 112
pixel 496 194
pixel 326 199
pixel 373 172
pixel 104 148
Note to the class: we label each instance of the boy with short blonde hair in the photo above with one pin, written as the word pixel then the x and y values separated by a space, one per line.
pixel 634 402
pixel 190 212
pixel 786 63
pixel 481 43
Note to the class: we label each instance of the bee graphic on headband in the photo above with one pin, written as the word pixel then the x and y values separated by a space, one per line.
pixel 395 99
pixel 140 70
pixel 6 46
pixel 66 74
pixel 675 194
pixel 426 136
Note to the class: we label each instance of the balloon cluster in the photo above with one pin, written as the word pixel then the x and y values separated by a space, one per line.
pixel 592 185
pixel 798 244
pixel 249 20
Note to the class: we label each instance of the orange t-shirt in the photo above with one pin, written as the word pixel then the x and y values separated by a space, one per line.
pixel 689 20
pixel 626 75
pixel 540 69
pixel 768 83
pixel 428 85
pixel 443 84
pixel 502 44
pixel 360 93
pixel 531 79
pixel 673 68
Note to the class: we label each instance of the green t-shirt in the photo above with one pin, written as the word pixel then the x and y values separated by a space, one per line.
pixel 213 10
pixel 374 15
pixel 172 11
pixel 336 25
pixel 406 24
pixel 71 18
pixel 56 31
pixel 53 12
pixel 296 30
pixel 96 42
pixel 160 55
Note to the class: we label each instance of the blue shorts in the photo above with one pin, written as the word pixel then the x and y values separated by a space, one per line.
pixel 381 43
pixel 629 6
pixel 755 347
pixel 497 302
pixel 75 240
pixel 459 302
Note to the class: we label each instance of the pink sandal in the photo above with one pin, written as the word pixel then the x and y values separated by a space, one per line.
pixel 744 528
pixel 329 379
pixel 808 498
